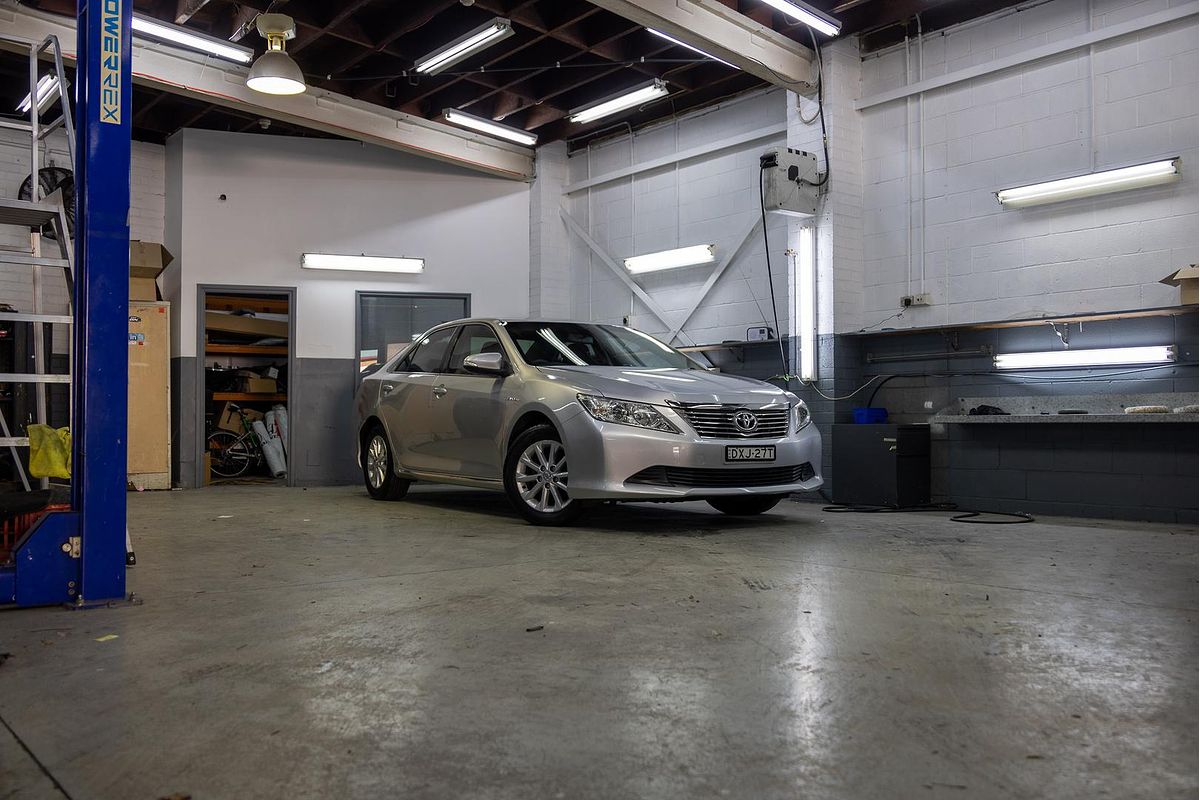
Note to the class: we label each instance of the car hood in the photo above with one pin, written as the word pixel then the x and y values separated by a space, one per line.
pixel 661 385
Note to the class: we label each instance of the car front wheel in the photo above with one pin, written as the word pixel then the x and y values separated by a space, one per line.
pixel 746 506
pixel 379 474
pixel 536 478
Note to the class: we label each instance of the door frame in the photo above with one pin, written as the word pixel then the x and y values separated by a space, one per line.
pixel 202 292
pixel 361 293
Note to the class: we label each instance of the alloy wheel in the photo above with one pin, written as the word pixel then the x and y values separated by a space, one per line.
pixel 541 476
pixel 377 461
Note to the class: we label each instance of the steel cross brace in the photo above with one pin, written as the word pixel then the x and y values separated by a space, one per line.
pixel 612 264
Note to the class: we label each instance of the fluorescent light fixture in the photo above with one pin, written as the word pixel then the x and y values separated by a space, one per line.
pixel 806 302
pixel 456 117
pixel 174 34
pixel 1105 357
pixel 673 40
pixel 620 102
pixel 465 46
pixel 274 72
pixel 670 259
pixel 362 263
pixel 47 85
pixel 812 17
pixel 1094 183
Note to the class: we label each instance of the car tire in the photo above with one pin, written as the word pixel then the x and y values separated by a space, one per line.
pixel 530 478
pixel 746 506
pixel 379 474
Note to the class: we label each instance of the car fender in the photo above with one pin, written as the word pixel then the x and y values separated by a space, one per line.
pixel 557 416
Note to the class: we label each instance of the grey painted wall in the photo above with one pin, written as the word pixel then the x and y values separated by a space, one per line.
pixel 1108 471
pixel 1124 471
pixel 185 418
pixel 321 416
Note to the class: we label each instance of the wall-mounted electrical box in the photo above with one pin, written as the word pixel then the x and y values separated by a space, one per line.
pixel 790 181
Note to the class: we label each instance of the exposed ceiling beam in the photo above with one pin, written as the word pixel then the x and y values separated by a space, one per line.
pixel 171 70
pixel 726 34
pixel 186 9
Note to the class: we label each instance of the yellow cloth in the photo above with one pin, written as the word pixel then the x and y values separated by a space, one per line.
pixel 49 451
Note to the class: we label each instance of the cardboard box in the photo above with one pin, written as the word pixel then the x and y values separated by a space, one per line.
pixel 1188 280
pixel 207 468
pixel 259 385
pixel 248 326
pixel 230 421
pixel 146 261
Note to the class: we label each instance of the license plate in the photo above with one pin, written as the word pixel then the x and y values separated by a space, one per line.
pixel 764 452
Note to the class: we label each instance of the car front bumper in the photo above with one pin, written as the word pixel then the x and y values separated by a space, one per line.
pixel 602 458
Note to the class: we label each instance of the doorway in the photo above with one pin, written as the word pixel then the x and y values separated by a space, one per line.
pixel 246 347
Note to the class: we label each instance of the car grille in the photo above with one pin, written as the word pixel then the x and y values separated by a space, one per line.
pixel 716 421
pixel 718 478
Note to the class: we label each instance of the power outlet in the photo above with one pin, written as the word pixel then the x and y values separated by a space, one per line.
pixel 910 300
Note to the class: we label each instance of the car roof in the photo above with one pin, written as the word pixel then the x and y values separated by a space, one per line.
pixel 508 320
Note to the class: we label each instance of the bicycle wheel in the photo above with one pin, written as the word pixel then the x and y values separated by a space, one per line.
pixel 231 456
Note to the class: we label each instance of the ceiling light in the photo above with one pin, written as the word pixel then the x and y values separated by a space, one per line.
pixel 275 72
pixel 802 12
pixel 670 259
pixel 47 85
pixel 464 46
pixel 673 40
pixel 1094 183
pixel 620 102
pixel 362 263
pixel 206 44
pixel 453 115
pixel 1086 358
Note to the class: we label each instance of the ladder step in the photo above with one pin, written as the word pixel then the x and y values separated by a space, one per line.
pixel 53 319
pixel 25 258
pixel 30 377
pixel 14 441
pixel 27 212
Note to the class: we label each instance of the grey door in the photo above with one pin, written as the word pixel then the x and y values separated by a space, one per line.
pixel 405 395
pixel 468 410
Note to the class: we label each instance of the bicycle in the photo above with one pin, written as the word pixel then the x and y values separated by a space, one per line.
pixel 233 454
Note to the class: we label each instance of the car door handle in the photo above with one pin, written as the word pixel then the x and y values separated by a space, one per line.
pixel 387 388
pixel 438 391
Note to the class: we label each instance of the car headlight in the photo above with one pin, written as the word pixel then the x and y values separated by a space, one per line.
pixel 626 412
pixel 801 417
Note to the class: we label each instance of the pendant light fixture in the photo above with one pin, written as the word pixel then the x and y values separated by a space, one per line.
pixel 275 72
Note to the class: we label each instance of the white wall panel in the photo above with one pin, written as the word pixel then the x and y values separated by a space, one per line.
pixel 286 196
pixel 1132 99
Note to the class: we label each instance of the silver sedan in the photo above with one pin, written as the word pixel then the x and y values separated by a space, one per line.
pixel 561 415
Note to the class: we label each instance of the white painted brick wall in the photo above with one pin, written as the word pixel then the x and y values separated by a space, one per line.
pixel 983 262
pixel 839 220
pixel 709 200
pixel 549 268
pixel 146 212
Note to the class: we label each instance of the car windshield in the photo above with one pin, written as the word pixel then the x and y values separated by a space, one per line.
pixel 573 344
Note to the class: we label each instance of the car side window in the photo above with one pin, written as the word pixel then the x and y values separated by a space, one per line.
pixel 429 353
pixel 473 340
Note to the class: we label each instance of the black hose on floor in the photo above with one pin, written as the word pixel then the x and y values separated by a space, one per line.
pixel 967 515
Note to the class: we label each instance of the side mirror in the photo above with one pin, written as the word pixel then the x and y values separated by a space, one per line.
pixel 486 364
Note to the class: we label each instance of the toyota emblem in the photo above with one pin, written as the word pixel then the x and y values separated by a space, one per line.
pixel 745 421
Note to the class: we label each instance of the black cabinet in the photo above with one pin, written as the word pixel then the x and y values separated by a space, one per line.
pixel 881 465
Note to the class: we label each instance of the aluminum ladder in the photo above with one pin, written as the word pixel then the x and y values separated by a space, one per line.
pixel 32 215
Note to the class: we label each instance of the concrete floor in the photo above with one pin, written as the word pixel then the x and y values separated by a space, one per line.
pixel 315 644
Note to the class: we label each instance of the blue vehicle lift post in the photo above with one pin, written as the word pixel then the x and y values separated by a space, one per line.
pixel 79 555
